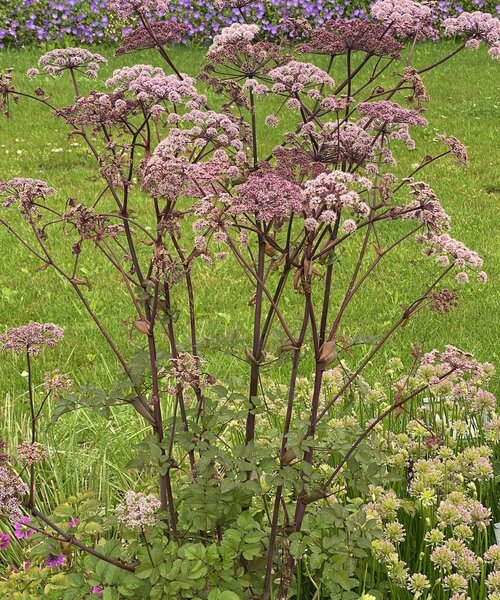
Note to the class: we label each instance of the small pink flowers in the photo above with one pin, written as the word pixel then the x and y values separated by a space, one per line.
pixel 22 530
pixel 190 372
pixel 272 121
pixel 235 37
pixel 73 523
pixel 481 27
pixel 138 510
pixel 333 191
pixel 268 196
pixel 492 556
pixel 31 453
pixel 294 77
pixel 493 582
pixel 31 338
pixel 4 541
pixel 125 8
pixel 57 61
pixel 386 111
pixel 340 36
pixel 425 208
pixel 457 149
pixel 349 226
pixel 57 382
pixel 26 192
pixel 150 85
pixel 405 17
pixel 164 32
pixel 12 489
pixel 391 119
pixel 97 590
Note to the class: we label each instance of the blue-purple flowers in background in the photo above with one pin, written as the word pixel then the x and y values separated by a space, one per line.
pixel 50 22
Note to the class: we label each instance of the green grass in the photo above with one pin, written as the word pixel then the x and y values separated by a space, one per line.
pixel 465 103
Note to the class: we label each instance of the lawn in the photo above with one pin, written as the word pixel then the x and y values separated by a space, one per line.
pixel 465 103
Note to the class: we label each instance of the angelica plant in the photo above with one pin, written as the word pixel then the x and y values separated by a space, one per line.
pixel 188 183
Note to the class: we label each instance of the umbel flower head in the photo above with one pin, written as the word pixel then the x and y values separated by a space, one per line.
pixel 57 61
pixel 31 452
pixel 151 86
pixel 295 77
pixel 158 33
pixel 125 8
pixel 479 27
pixel 405 17
pixel 12 489
pixel 138 510
pixel 233 39
pixel 340 36
pixel 26 191
pixel 31 337
pixel 268 196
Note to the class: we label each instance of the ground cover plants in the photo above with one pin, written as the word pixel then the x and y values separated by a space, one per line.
pixel 27 22
pixel 297 475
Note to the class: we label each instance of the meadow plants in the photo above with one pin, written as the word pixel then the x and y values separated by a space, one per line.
pixel 47 22
pixel 327 486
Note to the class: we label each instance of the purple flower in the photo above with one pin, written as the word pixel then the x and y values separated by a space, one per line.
pixel 31 337
pixel 73 523
pixel 54 560
pixel 4 541
pixel 26 192
pixel 12 489
pixel 21 531
pixel 98 590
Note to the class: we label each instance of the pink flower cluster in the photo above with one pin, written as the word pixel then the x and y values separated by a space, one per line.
pixel 455 555
pixel 125 8
pixel 236 37
pixel 4 541
pixel 31 337
pixel 335 144
pixel 190 372
pixel 458 509
pixel 411 76
pixel 448 248
pixel 351 35
pixel 150 85
pixel 12 489
pixel 22 531
pixel 138 510
pixel 268 196
pixel 436 364
pixel 26 191
pixel 386 111
pixel 31 452
pixel 88 224
pixel 479 26
pixel 57 61
pixel 294 77
pixel 405 17
pixel 97 110
pixel 457 149
pixel 158 33
pixel 328 193
pixel 211 147
pixel 425 208
pixel 57 382
pixel 392 119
